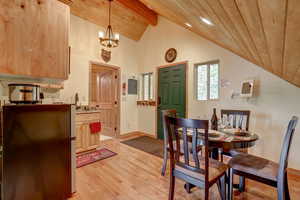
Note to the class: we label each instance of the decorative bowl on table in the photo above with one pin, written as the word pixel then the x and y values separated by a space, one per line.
pixel 242 134
pixel 212 134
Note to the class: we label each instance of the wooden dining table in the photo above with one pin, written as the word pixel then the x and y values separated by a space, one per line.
pixel 227 139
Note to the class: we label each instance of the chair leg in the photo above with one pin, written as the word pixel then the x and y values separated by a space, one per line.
pixel 172 187
pixel 165 161
pixel 219 185
pixel 230 185
pixel 283 192
pixel 206 193
pixel 222 157
pixel 223 187
pixel 242 184
pixel 286 189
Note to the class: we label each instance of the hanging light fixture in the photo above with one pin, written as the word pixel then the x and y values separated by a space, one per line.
pixel 109 39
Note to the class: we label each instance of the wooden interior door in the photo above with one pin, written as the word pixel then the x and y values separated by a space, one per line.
pixel 104 94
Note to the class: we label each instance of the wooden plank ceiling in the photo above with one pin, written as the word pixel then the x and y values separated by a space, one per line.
pixel 265 32
pixel 129 17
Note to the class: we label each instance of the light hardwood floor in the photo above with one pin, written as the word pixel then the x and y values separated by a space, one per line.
pixel 135 175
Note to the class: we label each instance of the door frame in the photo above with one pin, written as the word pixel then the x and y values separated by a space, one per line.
pixel 186 66
pixel 118 69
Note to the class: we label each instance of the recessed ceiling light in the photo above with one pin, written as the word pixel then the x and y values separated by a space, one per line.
pixel 188 25
pixel 206 21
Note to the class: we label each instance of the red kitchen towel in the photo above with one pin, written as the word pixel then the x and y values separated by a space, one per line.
pixel 95 127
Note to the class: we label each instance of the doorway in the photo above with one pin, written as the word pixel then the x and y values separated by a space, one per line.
pixel 171 92
pixel 104 89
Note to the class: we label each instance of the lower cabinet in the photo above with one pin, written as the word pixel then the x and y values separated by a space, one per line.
pixel 85 140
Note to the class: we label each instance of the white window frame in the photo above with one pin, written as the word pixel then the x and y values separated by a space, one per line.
pixel 209 63
pixel 150 86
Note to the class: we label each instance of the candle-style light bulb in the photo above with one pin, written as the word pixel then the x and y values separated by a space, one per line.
pixel 100 34
pixel 117 36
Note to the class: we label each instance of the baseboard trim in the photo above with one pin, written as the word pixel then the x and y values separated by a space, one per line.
pixel 294 171
pixel 130 134
pixel 135 133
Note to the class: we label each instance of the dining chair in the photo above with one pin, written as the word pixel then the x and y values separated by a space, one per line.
pixel 237 122
pixel 200 171
pixel 171 113
pixel 263 170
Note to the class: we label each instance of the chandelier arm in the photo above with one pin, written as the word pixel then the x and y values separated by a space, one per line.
pixel 106 32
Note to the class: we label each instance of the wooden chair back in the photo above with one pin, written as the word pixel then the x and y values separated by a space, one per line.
pixel 235 113
pixel 170 113
pixel 283 163
pixel 178 128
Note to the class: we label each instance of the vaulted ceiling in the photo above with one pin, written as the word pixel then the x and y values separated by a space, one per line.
pixel 129 17
pixel 265 32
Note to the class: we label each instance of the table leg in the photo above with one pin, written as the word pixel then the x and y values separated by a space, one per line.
pixel 188 187
pixel 215 153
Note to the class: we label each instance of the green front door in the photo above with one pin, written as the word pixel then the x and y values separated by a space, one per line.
pixel 171 92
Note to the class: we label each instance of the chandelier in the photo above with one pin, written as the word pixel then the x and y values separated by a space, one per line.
pixel 109 39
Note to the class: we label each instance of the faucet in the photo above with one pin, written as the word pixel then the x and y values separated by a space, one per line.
pixel 77 100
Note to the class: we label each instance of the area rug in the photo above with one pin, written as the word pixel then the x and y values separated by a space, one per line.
pixel 94 156
pixel 147 144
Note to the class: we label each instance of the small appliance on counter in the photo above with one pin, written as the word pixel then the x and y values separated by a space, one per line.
pixel 21 93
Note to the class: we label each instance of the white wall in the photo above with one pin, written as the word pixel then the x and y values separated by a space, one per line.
pixel 85 47
pixel 270 111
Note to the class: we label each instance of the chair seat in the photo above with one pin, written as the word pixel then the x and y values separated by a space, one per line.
pixel 254 165
pixel 216 170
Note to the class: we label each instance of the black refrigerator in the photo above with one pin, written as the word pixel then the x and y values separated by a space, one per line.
pixel 37 152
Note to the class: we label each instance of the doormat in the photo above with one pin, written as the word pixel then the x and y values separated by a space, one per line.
pixel 91 157
pixel 147 144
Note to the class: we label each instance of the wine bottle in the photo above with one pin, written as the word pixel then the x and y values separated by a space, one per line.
pixel 214 120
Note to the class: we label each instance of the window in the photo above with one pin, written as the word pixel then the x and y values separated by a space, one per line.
pixel 147 86
pixel 207 81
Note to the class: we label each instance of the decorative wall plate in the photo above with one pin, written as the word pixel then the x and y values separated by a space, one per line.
pixel 171 55
pixel 106 55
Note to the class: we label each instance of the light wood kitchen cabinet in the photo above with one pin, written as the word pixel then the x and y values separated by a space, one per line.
pixel 34 38
pixel 85 140
pixel 80 137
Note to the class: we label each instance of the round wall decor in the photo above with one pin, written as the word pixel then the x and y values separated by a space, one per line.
pixel 171 55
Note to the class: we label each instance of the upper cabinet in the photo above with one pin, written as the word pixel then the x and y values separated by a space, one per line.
pixel 34 38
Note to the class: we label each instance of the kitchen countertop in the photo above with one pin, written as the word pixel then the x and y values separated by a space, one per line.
pixel 87 111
